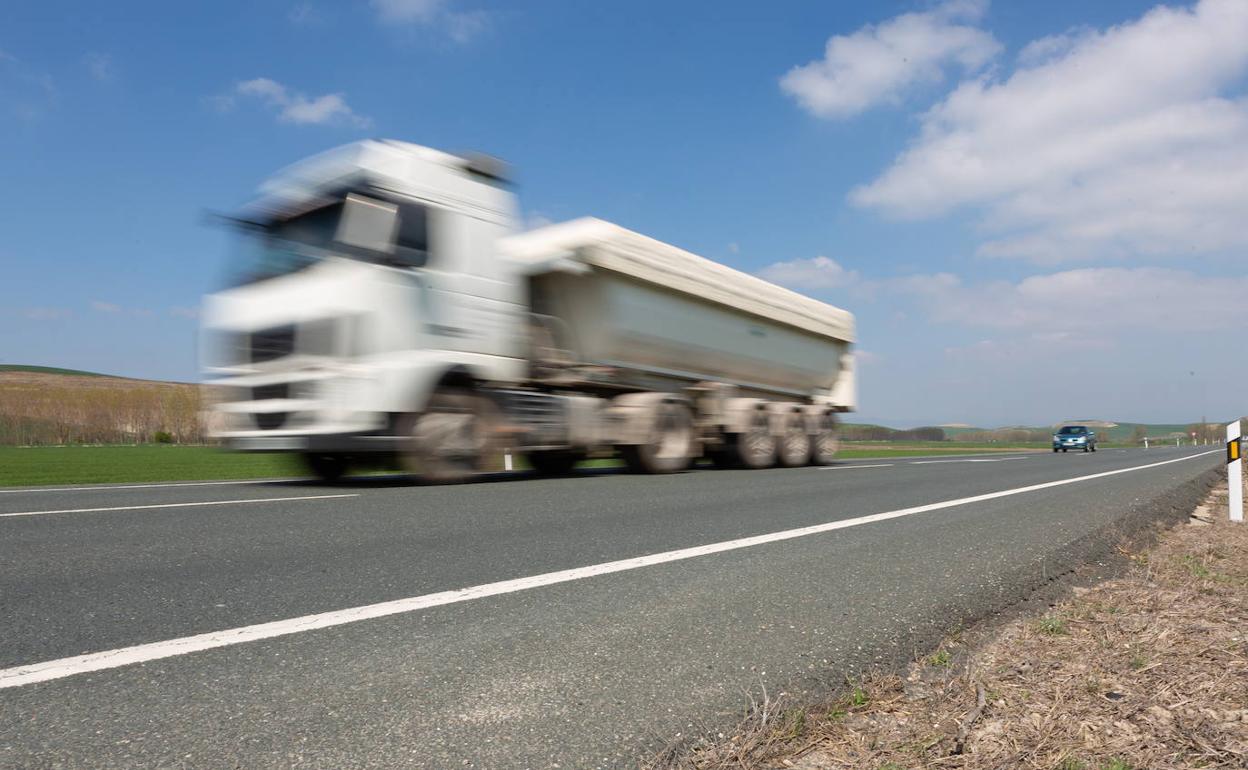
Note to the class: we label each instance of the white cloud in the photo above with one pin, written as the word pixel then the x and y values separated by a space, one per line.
pixel 407 11
pixel 100 66
pixel 460 26
pixel 47 313
pixel 813 274
pixel 1128 141
pixel 306 15
pixel 105 307
pixel 294 107
pixel 184 312
pixel 1065 307
pixel 880 63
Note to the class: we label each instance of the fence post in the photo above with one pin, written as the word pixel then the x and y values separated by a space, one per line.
pixel 1234 472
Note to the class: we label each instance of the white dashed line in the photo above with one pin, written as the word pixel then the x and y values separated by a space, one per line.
pixel 855 467
pixel 106 487
pixel 177 505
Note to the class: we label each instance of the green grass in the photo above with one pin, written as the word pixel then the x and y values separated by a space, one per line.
pixel 851 453
pixel 39 466
pixel 46 466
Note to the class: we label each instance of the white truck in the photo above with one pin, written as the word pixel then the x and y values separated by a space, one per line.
pixel 388 312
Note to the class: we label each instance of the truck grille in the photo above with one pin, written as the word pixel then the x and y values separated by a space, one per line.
pixel 270 420
pixel 272 343
pixel 266 392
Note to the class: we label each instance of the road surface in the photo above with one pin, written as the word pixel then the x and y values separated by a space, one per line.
pixel 287 624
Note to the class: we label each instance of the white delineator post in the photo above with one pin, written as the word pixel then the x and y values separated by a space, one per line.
pixel 1234 472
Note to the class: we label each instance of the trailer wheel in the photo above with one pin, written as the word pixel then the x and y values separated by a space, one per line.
pixel 826 441
pixel 756 447
pixel 554 462
pixel 795 445
pixel 450 441
pixel 669 447
pixel 326 467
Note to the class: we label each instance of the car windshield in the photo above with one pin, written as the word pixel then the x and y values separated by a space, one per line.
pixel 1073 430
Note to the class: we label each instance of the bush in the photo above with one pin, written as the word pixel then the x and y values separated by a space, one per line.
pixel 162 437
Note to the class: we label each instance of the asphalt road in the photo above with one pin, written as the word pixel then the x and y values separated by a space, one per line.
pixel 540 669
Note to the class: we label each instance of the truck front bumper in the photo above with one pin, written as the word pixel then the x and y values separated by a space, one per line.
pixel 336 443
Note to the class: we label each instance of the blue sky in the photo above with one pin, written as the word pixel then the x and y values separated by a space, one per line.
pixel 1033 208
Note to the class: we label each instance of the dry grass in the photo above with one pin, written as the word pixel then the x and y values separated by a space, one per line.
pixel 53 409
pixel 1149 670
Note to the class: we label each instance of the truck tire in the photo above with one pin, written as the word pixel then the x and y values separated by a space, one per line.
pixel 450 441
pixel 329 468
pixel 793 448
pixel 826 441
pixel 755 448
pixel 554 462
pixel 670 445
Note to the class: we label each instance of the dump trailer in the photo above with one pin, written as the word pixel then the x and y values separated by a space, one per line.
pixel 385 310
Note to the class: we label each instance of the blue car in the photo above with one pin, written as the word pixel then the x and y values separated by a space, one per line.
pixel 1074 437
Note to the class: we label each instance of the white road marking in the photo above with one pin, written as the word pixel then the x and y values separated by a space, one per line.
pixel 970 460
pixel 854 467
pixel 142 653
pixel 107 487
pixel 177 505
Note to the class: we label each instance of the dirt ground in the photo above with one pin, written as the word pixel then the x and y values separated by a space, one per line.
pixel 1145 670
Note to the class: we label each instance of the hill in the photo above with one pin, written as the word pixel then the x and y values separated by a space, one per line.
pixel 48 370
pixel 42 405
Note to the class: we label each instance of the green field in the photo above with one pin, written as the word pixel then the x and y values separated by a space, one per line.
pixel 39 466
pixel 49 466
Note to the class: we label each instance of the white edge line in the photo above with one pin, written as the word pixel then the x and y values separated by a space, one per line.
pixel 106 487
pixel 178 505
pixel 142 653
pixel 854 467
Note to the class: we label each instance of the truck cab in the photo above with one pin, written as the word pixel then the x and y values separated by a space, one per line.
pixel 364 276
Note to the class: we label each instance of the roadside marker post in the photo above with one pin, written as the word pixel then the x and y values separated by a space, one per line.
pixel 1234 472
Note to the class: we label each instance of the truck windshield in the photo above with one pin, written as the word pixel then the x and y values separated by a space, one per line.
pixel 288 245
pixel 285 246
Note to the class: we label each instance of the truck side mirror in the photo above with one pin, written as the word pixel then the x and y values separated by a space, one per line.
pixel 368 224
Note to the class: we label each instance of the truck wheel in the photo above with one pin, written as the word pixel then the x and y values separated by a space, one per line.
pixel 449 441
pixel 825 443
pixel 794 445
pixel 670 446
pixel 326 467
pixel 554 462
pixel 1054 450
pixel 756 447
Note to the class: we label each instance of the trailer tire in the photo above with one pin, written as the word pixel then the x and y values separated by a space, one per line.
pixel 554 462
pixel 794 447
pixel 826 441
pixel 755 447
pixel 328 468
pixel 670 445
pixel 449 442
